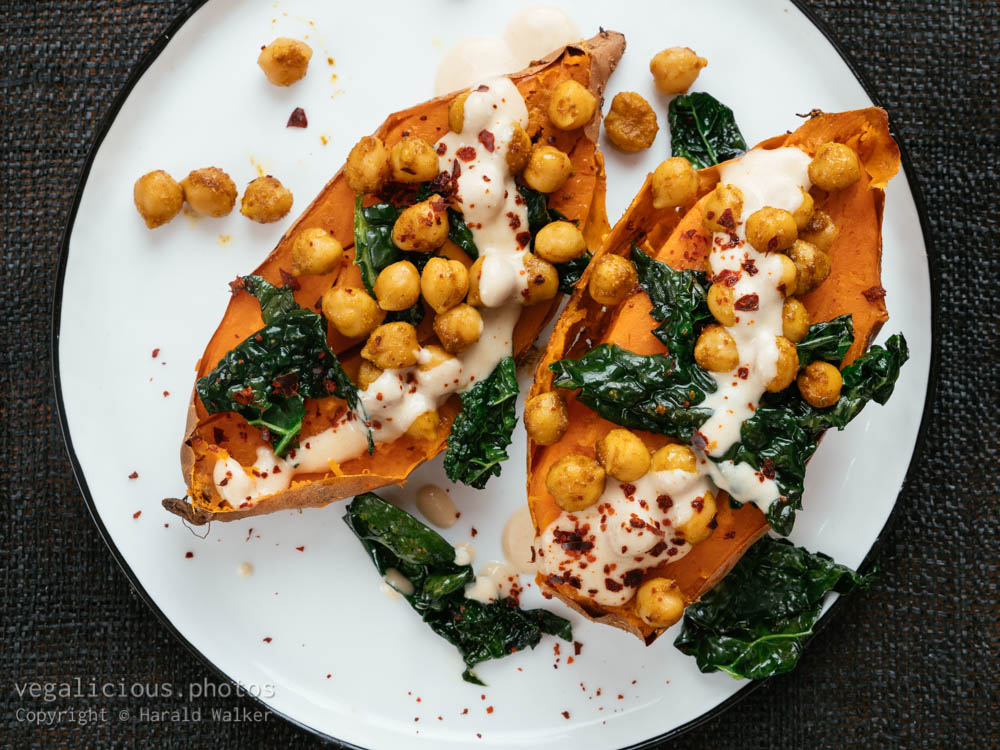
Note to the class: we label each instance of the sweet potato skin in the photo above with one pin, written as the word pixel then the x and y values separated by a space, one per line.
pixel 582 199
pixel 676 236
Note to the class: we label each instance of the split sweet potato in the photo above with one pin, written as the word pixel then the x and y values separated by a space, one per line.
pixel 209 437
pixel 677 237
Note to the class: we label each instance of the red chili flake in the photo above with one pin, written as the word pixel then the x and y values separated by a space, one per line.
pixel 729 535
pixel 727 277
pixel 874 294
pixel 465 711
pixel 698 440
pixel 628 489
pixel 523 238
pixel 489 709
pixel 297 119
pixel 620 696
pixel 268 639
pixel 573 541
pixel 486 138
pixel 166 393
pixel 218 435
pixel 156 353
pixel 189 555
pixel 632 578
pixel 473 531
pixel 137 514
pixel 466 153
pixel 747 303
pixel 612 585
pixel 726 220
pixel 658 548
pixel 565 714
pixel 237 285
pixel 767 469
pixel 750 267
pixel 244 396
pixel 442 149
pixel 134 475
pixel 483 87
pixel 328 676
pixel 743 373
pixel 289 280
pixel 301 549
pixel 287 384
pixel 664 502
pixel 577 647
pixel 698 504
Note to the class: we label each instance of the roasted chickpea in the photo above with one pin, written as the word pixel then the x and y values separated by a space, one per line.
pixel 425 426
pixel 392 345
pixel 571 105
pixel 723 208
pixel 788 365
pixel 352 311
pixel 659 603
pixel 675 183
pixel 444 283
pixel 804 212
pixel 543 280
pixel 285 61
pixel 266 200
pixel 812 265
pixel 456 112
pixel 623 455
pixel 559 242
pixel 697 528
pixel 631 122
pixel 397 286
pixel 519 150
pixel 675 69
pixel 475 274
pixel 432 356
pixel 158 198
pixel 458 328
pixel 820 384
pixel 720 303
pixel 422 227
pixel 771 230
pixel 367 374
pixel 821 231
pixel 209 192
pixel 575 482
pixel 546 418
pixel 413 160
pixel 548 169
pixel 834 167
pixel 612 279
pixel 794 320
pixel 788 281
pixel 672 457
pixel 368 165
pixel 716 350
pixel 315 252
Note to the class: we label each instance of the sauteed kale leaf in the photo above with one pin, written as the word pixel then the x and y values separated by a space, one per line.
pixel 655 392
pixel 703 130
pixel 784 432
pixel 395 539
pixel 268 376
pixel 482 431
pixel 539 214
pixel 755 622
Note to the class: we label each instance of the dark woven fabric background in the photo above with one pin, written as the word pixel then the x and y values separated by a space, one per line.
pixel 911 664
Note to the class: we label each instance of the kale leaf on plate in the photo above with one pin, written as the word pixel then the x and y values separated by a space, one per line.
pixel 395 539
pixel 267 377
pixel 482 431
pixel 703 130
pixel 754 623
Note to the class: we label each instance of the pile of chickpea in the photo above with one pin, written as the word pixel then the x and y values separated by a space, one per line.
pixel 449 288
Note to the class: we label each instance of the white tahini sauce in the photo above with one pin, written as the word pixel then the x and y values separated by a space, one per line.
pixel 495 580
pixel 629 529
pixel 397 582
pixel 776 178
pixel 518 541
pixel 498 219
pixel 604 549
pixel 436 506
pixel 532 33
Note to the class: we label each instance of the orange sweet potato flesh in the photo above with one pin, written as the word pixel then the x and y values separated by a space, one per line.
pixel 209 437
pixel 676 237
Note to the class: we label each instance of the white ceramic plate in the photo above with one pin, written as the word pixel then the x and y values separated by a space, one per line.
pixel 343 659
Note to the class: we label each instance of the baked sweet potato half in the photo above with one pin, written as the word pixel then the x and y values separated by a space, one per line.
pixel 227 436
pixel 623 345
